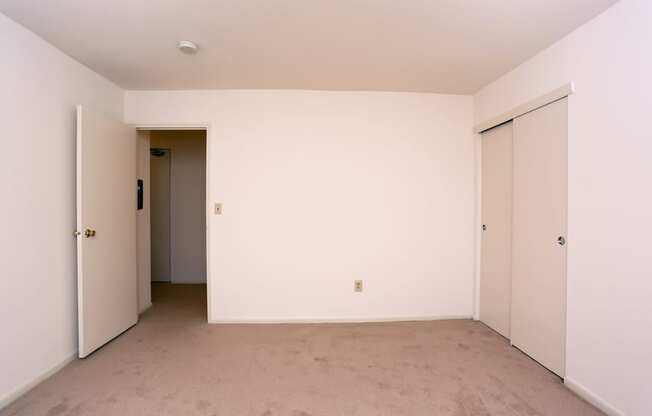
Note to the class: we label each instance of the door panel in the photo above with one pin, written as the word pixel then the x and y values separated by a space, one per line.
pixel 496 263
pixel 106 207
pixel 160 215
pixel 538 260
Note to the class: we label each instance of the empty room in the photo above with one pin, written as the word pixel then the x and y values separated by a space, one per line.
pixel 316 208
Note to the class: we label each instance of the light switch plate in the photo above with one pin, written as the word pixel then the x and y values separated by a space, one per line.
pixel 357 285
pixel 218 208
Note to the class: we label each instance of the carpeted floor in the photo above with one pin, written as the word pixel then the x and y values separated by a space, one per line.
pixel 173 363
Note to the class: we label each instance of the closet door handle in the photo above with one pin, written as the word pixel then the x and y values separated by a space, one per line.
pixel 561 240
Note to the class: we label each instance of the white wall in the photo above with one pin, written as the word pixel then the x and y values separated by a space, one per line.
pixel 321 188
pixel 610 203
pixel 187 202
pixel 143 221
pixel 39 88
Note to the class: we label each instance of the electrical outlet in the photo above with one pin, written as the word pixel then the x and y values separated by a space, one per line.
pixel 357 285
pixel 218 208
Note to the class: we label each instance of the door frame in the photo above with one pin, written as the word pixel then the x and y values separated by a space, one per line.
pixel 207 128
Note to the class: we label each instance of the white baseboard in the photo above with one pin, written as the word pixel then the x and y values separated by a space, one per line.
pixel 334 320
pixel 592 398
pixel 9 398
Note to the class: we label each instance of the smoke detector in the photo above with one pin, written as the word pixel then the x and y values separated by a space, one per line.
pixel 187 46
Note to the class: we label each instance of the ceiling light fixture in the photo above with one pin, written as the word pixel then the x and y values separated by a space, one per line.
pixel 187 46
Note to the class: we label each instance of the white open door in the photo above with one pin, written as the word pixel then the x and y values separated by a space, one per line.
pixel 106 229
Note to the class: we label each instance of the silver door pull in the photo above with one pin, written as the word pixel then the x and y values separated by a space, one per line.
pixel 561 240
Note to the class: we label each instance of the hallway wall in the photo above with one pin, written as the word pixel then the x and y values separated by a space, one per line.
pixel 187 202
pixel 143 222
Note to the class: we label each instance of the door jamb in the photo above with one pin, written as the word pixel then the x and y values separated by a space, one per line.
pixel 207 128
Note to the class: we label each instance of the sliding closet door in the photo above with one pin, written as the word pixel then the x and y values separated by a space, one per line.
pixel 496 263
pixel 538 324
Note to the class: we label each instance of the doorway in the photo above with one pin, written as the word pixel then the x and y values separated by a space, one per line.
pixel 177 210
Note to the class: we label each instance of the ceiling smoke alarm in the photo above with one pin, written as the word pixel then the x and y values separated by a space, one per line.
pixel 187 46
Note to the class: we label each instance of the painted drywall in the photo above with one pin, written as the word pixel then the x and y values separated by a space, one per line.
pixel 159 175
pixel 143 220
pixel 609 205
pixel 39 88
pixel 322 188
pixel 187 202
pixel 419 45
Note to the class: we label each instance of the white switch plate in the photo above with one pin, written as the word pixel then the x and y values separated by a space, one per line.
pixel 218 208
pixel 357 285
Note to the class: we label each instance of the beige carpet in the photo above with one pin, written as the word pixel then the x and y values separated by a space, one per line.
pixel 173 363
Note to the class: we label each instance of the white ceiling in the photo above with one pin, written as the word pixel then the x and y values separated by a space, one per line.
pixel 444 46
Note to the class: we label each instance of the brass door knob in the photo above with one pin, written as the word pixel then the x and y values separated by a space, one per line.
pixel 89 233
